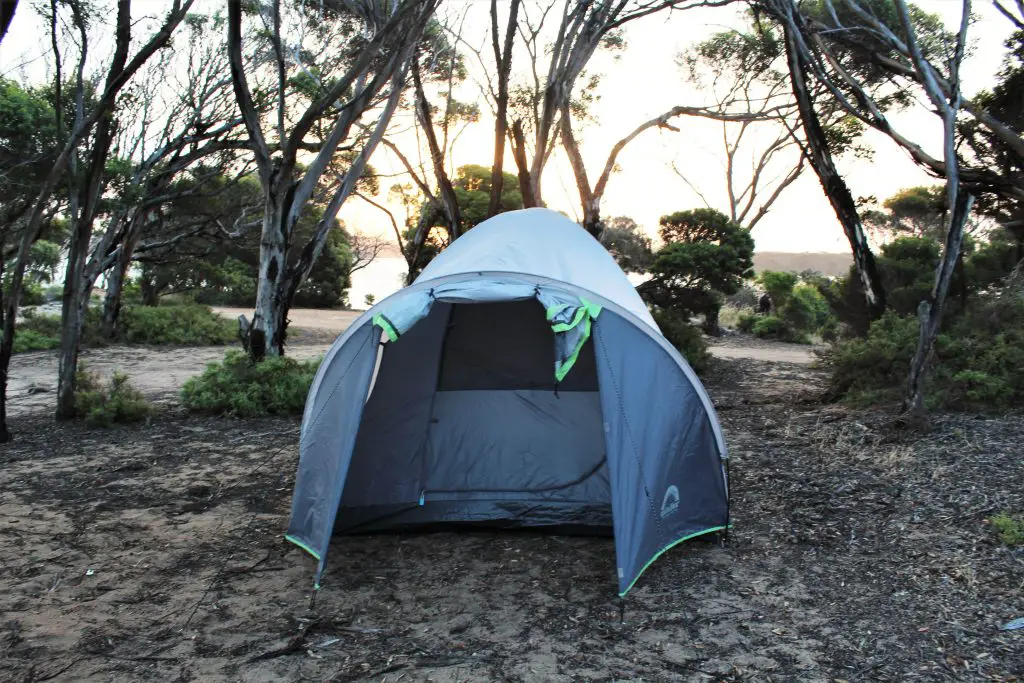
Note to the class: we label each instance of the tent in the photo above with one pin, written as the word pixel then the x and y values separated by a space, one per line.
pixel 519 381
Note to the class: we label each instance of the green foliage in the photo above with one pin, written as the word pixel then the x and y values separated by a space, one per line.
pixel 779 328
pixel 225 273
pixel 705 256
pixel 370 299
pixel 626 241
pixel 114 403
pixel 184 324
pixel 240 388
pixel 779 286
pixel 31 340
pixel 746 322
pixel 979 360
pixel 800 309
pixel 1009 527
pixel 473 192
pixel 181 325
pixel 472 184
pixel 685 337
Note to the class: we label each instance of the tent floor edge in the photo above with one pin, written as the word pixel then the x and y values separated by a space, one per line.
pixel 673 544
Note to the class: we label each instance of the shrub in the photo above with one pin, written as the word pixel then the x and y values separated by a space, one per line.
pixel 30 340
pixel 1010 528
pixel 184 325
pixel 685 337
pixel 240 388
pixel 779 286
pixel 746 322
pixel 978 357
pixel 806 309
pixel 33 294
pixel 117 402
pixel 777 327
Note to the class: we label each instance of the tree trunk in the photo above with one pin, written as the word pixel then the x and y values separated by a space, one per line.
pixel 589 200
pixel 76 302
pixel 522 165
pixel 836 189
pixel 449 201
pixel 5 356
pixel 266 335
pixel 503 57
pixel 115 284
pixel 930 312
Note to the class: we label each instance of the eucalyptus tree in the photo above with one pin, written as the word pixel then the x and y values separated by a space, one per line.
pixel 95 124
pixel 323 68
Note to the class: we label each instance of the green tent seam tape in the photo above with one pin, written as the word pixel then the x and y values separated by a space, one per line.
pixel 302 545
pixel 664 550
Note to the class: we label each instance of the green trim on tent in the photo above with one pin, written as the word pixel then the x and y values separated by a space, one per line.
pixel 664 550
pixel 565 327
pixel 383 323
pixel 555 310
pixel 562 368
pixel 586 312
pixel 305 547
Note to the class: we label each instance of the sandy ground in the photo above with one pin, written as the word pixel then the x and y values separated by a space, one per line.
pixel 160 373
pixel 860 553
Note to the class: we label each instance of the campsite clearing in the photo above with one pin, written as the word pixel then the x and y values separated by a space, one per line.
pixel 155 553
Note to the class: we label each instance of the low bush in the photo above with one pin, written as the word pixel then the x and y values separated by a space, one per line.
pixel 1009 527
pixel 685 337
pixel 978 360
pixel 31 340
pixel 746 322
pixel 114 403
pixel 184 324
pixel 778 328
pixel 240 388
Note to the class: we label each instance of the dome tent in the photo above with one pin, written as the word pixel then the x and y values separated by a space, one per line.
pixel 520 381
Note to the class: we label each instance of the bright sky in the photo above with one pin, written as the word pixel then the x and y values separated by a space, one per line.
pixel 641 83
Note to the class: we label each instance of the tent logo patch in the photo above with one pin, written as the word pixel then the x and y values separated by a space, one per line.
pixel 670 503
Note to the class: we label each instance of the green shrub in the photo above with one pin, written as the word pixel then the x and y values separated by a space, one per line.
pixel 777 327
pixel 978 362
pixel 806 310
pixel 182 324
pixel 104 405
pixel 685 337
pixel 238 387
pixel 30 340
pixel 32 294
pixel 747 322
pixel 1010 528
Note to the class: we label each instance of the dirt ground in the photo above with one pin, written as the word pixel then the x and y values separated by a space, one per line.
pixel 155 552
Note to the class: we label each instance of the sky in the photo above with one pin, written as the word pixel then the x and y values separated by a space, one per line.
pixel 638 84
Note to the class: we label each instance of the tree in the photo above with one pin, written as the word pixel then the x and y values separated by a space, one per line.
pixel 191 124
pixel 308 90
pixel 896 41
pixel 628 244
pixel 503 65
pixel 437 63
pixel 472 189
pixel 122 67
pixel 706 256
pixel 737 68
pixel 545 106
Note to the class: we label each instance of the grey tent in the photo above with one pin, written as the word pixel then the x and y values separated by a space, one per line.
pixel 520 381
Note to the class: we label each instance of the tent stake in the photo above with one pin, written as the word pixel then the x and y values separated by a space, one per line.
pixel 622 609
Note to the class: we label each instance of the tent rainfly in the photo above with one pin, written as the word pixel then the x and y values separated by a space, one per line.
pixel 520 381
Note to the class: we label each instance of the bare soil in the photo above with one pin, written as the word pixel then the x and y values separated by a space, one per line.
pixel 860 552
